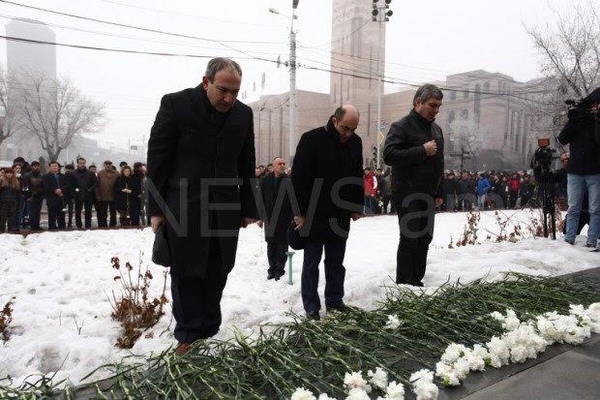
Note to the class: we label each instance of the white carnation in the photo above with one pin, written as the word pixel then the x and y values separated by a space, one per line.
pixel 355 381
pixel 303 394
pixel 393 322
pixel 379 378
pixel 357 394
pixel 325 396
pixel 394 391
pixel 453 352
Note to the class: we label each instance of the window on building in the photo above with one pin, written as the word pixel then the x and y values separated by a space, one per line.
pixel 464 114
pixel 452 95
pixel 486 87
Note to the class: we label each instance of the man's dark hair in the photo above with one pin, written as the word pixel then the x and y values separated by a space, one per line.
pixel 80 158
pixel 217 64
pixel 339 113
pixel 54 162
pixel 69 167
pixel 426 92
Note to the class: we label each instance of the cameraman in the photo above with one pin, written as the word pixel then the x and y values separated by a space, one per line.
pixel 582 133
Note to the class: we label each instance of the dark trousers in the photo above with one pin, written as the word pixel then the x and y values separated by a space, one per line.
pixel 335 273
pixel 56 215
pixel 136 210
pixel 197 300
pixel 34 209
pixel 416 216
pixel 86 205
pixel 102 210
pixel 276 255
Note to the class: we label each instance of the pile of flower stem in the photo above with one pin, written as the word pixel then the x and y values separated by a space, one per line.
pixel 316 355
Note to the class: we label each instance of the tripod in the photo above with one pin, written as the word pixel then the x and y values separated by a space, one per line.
pixel 546 196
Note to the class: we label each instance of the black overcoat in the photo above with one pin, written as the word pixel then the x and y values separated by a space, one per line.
pixel 328 183
pixel 200 163
pixel 278 207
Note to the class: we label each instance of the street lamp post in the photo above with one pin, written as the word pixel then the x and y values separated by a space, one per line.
pixel 292 65
pixel 381 14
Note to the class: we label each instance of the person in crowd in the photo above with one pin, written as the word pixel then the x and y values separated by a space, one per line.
pixel 275 190
pixel 21 213
pixel 483 188
pixel 137 187
pixel 466 192
pixel 125 193
pixel 514 184
pixel 145 217
pixel 496 193
pixel 582 134
pixel 105 195
pixel 526 191
pixel 385 185
pixel 9 200
pixel 55 186
pixel 84 188
pixel 414 147
pixel 370 184
pixel 201 147
pixel 329 157
pixel 449 192
pixel 34 195
pixel 69 195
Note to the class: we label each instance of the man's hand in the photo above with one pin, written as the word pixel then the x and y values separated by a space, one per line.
pixel 430 148
pixel 299 221
pixel 356 216
pixel 247 221
pixel 58 192
pixel 439 201
pixel 259 223
pixel 156 221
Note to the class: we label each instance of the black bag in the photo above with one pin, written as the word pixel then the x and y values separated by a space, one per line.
pixel 295 239
pixel 161 254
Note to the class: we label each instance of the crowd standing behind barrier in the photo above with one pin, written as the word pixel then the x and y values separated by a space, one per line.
pixel 22 195
pixel 32 201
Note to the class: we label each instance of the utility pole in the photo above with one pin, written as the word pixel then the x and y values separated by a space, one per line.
pixel 293 105
pixel 292 65
pixel 381 13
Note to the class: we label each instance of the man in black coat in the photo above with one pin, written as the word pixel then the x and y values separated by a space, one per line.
pixel 275 189
pixel 35 195
pixel 327 178
pixel 582 134
pixel 55 186
pixel 200 161
pixel 414 147
pixel 84 182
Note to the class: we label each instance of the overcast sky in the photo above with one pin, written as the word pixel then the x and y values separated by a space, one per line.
pixel 426 41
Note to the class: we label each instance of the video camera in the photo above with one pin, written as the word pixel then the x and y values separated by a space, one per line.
pixel 543 156
pixel 578 109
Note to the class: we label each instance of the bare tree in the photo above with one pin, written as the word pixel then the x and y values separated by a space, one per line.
pixel 570 50
pixel 56 111
pixel 9 116
pixel 466 134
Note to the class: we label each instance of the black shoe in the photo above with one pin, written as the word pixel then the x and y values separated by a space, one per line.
pixel 341 308
pixel 279 274
pixel 270 276
pixel 313 316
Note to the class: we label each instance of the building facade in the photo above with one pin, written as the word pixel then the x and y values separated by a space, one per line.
pixel 487 119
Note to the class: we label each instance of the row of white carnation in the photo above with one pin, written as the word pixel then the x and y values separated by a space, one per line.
pixel 521 340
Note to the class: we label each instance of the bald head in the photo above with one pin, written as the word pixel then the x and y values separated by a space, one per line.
pixel 345 120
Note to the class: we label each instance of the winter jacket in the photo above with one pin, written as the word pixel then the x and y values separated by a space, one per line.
pixel 335 169
pixel 582 134
pixel 105 186
pixel 412 169
pixel 483 186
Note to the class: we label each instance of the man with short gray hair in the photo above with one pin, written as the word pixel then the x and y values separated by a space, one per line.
pixel 414 148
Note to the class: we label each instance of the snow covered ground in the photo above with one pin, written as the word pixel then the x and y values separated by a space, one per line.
pixel 62 283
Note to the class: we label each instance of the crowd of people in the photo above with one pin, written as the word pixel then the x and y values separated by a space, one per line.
pixel 71 197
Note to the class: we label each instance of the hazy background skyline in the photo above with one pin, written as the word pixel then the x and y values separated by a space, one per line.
pixel 425 42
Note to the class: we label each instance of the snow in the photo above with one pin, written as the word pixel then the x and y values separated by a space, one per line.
pixel 62 283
